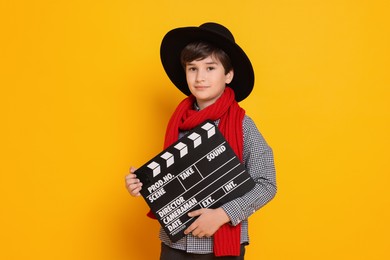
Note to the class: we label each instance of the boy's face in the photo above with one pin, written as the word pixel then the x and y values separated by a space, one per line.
pixel 206 80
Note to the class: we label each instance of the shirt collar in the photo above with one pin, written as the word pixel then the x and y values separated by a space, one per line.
pixel 196 107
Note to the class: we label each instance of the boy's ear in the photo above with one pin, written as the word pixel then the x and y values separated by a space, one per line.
pixel 229 76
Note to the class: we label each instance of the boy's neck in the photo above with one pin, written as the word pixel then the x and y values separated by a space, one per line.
pixel 202 105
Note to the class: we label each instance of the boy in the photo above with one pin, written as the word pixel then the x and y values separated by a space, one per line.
pixel 208 66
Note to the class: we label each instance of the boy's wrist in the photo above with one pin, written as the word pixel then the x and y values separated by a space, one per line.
pixel 223 215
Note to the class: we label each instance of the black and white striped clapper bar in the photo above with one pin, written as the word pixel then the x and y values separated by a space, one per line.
pixel 200 170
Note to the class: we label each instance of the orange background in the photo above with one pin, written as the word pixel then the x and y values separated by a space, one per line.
pixel 84 96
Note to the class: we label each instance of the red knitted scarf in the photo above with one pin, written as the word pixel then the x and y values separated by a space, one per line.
pixel 226 109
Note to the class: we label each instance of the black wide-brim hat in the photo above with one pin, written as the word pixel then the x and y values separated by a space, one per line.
pixel 219 36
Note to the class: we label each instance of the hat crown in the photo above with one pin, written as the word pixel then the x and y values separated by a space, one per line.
pixel 219 29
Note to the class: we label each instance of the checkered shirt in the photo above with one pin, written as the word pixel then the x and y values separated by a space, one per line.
pixel 259 162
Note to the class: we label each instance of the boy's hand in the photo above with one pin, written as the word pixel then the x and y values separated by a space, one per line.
pixel 133 184
pixel 207 223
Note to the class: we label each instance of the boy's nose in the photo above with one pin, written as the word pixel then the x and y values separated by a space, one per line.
pixel 200 76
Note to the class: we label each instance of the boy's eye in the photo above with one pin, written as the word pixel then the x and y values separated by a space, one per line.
pixel 210 68
pixel 191 68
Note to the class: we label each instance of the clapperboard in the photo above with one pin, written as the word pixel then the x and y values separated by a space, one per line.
pixel 200 170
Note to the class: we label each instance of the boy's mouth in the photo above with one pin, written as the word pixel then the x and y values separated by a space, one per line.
pixel 201 87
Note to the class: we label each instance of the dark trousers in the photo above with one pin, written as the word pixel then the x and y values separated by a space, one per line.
pixel 168 253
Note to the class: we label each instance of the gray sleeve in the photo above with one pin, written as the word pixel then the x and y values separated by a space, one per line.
pixel 259 162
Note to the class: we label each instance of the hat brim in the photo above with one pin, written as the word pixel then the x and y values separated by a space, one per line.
pixel 175 41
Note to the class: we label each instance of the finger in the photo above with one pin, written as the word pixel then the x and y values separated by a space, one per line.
pixel 190 229
pixel 200 235
pixel 130 176
pixel 136 192
pixel 132 169
pixel 133 186
pixel 197 233
pixel 130 181
pixel 195 213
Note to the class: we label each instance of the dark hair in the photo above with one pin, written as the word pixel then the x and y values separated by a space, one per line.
pixel 201 50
